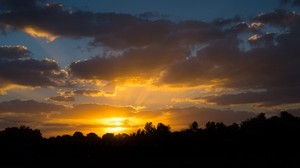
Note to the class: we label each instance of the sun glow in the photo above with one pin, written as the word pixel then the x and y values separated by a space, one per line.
pixel 115 129
pixel 115 124
pixel 116 121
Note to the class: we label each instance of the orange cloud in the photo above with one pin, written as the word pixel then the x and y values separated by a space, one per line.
pixel 34 32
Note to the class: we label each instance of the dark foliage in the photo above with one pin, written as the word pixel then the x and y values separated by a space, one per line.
pixel 256 142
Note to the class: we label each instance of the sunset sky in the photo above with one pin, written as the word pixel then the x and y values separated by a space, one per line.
pixel 113 65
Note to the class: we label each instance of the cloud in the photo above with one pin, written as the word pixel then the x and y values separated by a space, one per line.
pixel 271 65
pixel 264 39
pixel 146 62
pixel 35 32
pixel 29 106
pixel 271 62
pixel 206 68
pixel 174 54
pixel 69 96
pixel 101 26
pixel 117 31
pixel 62 98
pixel 31 72
pixel 293 2
pixel 93 93
pixel 273 68
pixel 277 17
pixel 240 27
pixel 268 98
pixel 14 52
pixel 221 22
pixel 18 68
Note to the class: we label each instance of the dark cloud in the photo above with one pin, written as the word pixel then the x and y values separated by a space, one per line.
pixel 90 92
pixel 69 96
pixel 209 65
pixel 262 40
pixel 277 17
pixel 240 27
pixel 29 106
pixel 272 97
pixel 144 62
pixel 271 65
pixel 221 22
pixel 18 68
pixel 273 68
pixel 117 31
pixel 87 92
pixel 113 30
pixel 293 2
pixel 18 4
pixel 62 98
pixel 14 52
pixel 31 72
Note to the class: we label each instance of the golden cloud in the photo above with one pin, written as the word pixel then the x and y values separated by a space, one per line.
pixel 34 32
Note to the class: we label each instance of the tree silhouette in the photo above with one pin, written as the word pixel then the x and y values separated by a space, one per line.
pixel 194 126
pixel 149 128
pixel 23 134
pixel 163 129
pixel 108 138
pixel 92 137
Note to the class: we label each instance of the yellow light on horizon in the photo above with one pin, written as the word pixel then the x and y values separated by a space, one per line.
pixel 114 129
pixel 114 124
pixel 112 121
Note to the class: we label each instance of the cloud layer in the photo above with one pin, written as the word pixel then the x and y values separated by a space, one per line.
pixel 17 67
pixel 258 59
pixel 29 106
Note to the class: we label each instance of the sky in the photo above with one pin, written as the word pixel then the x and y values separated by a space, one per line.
pixel 111 66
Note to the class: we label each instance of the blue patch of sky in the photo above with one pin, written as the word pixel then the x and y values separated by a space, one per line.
pixel 63 50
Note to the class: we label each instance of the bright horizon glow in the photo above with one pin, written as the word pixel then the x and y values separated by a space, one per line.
pixel 114 124
pixel 115 129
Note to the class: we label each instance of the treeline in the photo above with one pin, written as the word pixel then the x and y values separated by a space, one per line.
pixel 255 142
